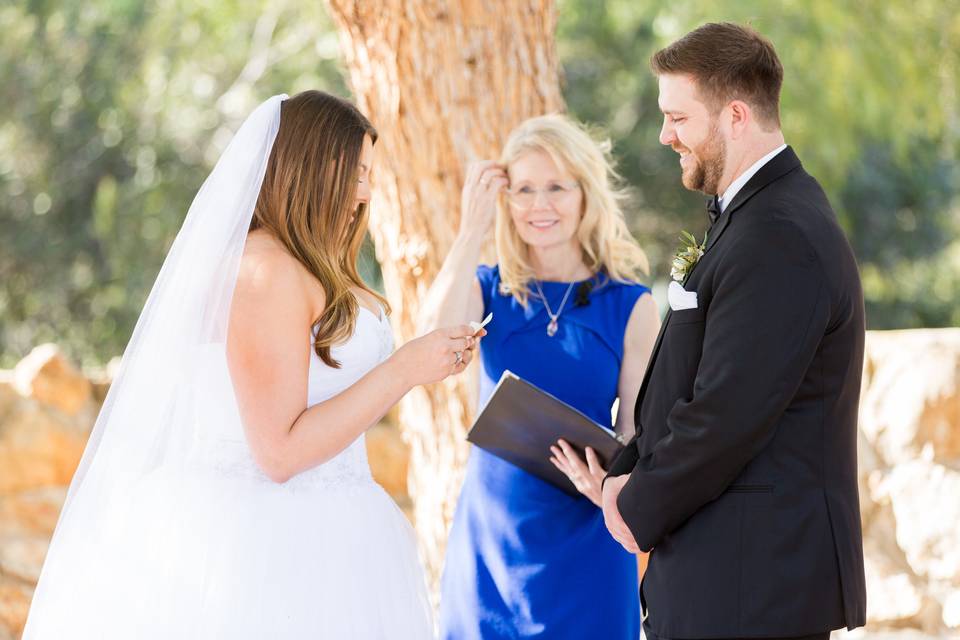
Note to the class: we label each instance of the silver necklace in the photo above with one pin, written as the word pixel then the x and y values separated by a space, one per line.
pixel 553 325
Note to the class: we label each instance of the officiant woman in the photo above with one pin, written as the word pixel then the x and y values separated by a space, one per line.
pixel 524 558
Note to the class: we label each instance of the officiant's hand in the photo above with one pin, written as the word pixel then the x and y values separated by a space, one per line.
pixel 586 477
pixel 478 201
pixel 611 513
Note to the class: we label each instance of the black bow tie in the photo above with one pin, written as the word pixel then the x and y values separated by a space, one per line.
pixel 713 208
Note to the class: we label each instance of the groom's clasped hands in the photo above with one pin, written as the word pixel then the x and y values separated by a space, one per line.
pixel 588 478
pixel 611 513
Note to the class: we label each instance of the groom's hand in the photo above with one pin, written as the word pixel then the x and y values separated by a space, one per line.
pixel 611 514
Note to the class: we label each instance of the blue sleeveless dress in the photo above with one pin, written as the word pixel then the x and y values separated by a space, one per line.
pixel 524 559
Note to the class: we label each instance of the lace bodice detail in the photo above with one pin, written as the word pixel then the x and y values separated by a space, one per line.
pixel 370 344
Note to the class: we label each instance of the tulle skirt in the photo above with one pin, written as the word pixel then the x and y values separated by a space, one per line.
pixel 191 554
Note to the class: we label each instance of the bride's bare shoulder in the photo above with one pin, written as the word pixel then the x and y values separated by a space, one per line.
pixel 269 272
pixel 264 258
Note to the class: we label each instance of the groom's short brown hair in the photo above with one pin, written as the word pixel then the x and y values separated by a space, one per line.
pixel 728 62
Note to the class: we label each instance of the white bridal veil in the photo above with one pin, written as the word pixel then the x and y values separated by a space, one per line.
pixel 153 429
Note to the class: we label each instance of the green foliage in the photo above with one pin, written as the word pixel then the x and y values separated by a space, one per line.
pixel 113 114
pixel 114 111
pixel 870 103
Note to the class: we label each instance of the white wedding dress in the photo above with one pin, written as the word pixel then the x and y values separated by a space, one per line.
pixel 215 549
pixel 169 529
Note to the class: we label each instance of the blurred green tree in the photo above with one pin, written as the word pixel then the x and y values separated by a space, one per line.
pixel 114 112
pixel 870 101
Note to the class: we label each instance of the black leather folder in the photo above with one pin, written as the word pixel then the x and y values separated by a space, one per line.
pixel 520 422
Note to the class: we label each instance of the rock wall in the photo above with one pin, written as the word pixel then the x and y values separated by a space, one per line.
pixel 909 475
pixel 46 411
pixel 910 478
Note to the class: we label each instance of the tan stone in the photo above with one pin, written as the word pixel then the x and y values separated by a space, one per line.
pixel 909 454
pixel 101 379
pixel 893 597
pixel 896 596
pixel 9 398
pixel 99 390
pixel 14 605
pixel 871 470
pixel 911 395
pixel 39 446
pixel 22 557
pixel 48 377
pixel 951 610
pixel 926 504
pixel 31 512
pixel 389 459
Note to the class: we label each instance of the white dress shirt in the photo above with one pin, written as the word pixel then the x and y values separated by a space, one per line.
pixel 742 179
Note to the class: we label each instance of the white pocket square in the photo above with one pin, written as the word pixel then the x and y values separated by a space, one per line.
pixel 679 298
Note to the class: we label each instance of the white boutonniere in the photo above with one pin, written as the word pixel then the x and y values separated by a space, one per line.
pixel 688 256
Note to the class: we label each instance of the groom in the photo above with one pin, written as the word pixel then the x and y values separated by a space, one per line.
pixel 743 476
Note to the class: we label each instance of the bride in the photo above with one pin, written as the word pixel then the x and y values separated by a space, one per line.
pixel 225 491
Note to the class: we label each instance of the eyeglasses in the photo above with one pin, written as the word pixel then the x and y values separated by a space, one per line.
pixel 525 196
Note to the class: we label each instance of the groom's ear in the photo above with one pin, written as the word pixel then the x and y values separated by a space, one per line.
pixel 740 118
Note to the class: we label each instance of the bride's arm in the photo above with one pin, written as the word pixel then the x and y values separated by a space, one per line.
pixel 268 350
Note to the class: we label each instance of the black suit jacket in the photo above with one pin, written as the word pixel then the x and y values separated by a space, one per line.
pixel 743 476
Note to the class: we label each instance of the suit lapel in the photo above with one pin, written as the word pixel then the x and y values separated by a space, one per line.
pixel 646 374
pixel 780 165
pixel 718 228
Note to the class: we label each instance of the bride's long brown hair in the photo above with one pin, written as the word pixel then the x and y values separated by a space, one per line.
pixel 307 202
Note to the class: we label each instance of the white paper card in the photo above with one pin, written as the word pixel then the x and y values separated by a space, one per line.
pixel 476 326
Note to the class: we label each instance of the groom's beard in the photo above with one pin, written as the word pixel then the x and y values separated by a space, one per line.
pixel 709 159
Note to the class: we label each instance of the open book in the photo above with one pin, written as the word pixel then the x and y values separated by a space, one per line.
pixel 520 422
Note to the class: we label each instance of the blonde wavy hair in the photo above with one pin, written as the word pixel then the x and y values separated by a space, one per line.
pixel 608 247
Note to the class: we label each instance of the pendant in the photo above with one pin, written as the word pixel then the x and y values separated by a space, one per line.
pixel 552 327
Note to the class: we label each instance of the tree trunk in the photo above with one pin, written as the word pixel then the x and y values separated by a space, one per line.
pixel 444 83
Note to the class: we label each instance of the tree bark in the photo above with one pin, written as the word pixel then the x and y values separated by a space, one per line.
pixel 444 83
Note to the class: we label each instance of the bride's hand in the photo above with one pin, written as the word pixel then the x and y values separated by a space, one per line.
pixel 478 201
pixel 438 354
pixel 586 477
